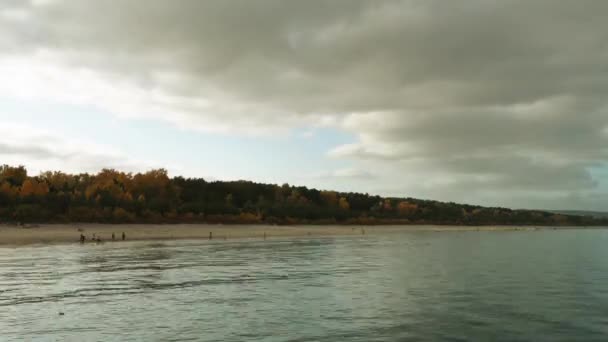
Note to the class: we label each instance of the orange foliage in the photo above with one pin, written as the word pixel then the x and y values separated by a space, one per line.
pixel 406 208
pixel 31 187
pixel 343 204
pixel 330 198
pixel 8 190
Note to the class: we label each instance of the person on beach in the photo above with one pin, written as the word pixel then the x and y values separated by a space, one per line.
pixel 82 238
pixel 113 237
pixel 123 236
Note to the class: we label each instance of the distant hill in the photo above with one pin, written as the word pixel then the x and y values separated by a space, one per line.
pixel 597 214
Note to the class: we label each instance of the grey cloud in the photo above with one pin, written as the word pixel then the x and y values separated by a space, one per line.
pixel 85 160
pixel 34 151
pixel 38 150
pixel 513 91
pixel 347 173
pixel 334 55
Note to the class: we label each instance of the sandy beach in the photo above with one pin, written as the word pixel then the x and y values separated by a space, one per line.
pixel 69 233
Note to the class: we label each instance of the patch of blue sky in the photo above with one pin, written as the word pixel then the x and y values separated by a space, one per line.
pixel 600 175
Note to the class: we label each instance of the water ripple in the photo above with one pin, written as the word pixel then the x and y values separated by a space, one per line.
pixel 412 286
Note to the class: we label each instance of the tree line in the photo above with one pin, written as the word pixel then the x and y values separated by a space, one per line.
pixel 112 196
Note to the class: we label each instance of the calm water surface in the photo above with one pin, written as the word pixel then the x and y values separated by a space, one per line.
pixel 452 286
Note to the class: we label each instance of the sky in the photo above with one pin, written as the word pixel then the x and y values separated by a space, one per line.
pixel 498 103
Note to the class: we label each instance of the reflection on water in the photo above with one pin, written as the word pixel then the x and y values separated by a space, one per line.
pixel 542 285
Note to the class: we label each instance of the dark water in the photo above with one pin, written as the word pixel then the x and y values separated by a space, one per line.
pixel 455 286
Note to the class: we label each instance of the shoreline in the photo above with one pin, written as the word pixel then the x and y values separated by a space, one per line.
pixel 46 234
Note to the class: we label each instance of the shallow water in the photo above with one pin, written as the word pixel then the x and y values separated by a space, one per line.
pixel 457 286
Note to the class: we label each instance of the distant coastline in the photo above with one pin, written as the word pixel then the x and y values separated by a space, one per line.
pixel 45 234
pixel 153 197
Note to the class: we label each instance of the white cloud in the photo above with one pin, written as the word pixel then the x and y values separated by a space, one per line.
pixel 41 150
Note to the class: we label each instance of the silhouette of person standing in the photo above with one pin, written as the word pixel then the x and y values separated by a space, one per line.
pixel 123 236
pixel 113 237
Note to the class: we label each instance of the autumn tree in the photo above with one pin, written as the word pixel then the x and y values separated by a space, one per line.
pixel 152 196
pixel 8 193
pixel 15 176
pixel 31 187
pixel 406 208
pixel 329 198
pixel 343 204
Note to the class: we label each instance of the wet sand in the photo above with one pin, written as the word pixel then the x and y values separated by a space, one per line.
pixel 70 233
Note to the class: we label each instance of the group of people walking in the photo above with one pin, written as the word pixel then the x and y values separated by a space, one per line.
pixel 98 239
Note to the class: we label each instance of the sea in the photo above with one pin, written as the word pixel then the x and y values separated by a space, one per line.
pixel 543 285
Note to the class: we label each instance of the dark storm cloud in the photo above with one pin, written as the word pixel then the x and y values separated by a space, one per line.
pixel 511 91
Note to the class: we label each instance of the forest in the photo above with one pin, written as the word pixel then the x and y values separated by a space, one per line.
pixel 111 196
